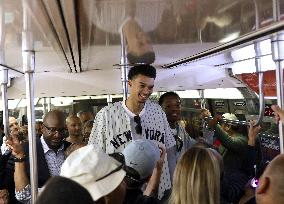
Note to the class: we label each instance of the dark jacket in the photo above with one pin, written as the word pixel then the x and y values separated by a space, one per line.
pixel 42 168
pixel 233 149
pixel 135 196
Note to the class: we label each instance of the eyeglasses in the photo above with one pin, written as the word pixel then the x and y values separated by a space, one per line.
pixel 118 157
pixel 53 130
pixel 138 127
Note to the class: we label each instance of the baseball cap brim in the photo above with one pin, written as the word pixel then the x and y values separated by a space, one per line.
pixel 105 186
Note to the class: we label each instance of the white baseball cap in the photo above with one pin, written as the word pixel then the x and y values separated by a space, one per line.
pixel 142 155
pixel 93 169
pixel 230 116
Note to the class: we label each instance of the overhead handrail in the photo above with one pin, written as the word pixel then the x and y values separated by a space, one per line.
pixel 232 122
pixel 241 41
pixel 267 135
pixel 11 68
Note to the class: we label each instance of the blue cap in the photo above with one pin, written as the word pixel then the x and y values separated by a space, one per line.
pixel 142 155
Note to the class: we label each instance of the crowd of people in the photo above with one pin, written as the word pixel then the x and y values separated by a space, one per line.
pixel 138 151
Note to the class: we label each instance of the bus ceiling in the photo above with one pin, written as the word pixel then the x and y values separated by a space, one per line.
pixel 77 44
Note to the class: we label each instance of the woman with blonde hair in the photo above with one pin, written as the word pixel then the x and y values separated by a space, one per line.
pixel 196 178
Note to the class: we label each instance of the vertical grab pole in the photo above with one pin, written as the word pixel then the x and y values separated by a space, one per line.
pixel 109 99
pixel 258 66
pixel 277 43
pixel 4 82
pixel 123 66
pixel 260 82
pixel 4 72
pixel 202 100
pixel 29 68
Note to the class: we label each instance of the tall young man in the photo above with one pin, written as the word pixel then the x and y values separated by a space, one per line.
pixel 118 124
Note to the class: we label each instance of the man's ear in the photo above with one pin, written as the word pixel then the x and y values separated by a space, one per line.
pixel 264 184
pixel 42 128
pixel 129 82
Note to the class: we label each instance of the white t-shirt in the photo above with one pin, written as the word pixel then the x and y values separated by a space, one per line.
pixel 112 132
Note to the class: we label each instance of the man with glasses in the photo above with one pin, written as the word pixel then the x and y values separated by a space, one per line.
pixel 50 154
pixel 118 124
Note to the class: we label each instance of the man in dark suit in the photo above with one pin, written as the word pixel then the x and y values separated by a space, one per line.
pixel 50 154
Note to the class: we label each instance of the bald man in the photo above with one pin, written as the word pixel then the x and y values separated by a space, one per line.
pixel 270 189
pixel 74 127
pixel 50 155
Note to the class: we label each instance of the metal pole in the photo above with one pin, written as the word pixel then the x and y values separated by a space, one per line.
pixel 234 122
pixel 239 42
pixel 202 100
pixel 44 106
pixel 124 66
pixel 109 99
pixel 29 67
pixel 4 82
pixel 49 104
pixel 277 43
pixel 276 10
pixel 260 82
pixel 4 72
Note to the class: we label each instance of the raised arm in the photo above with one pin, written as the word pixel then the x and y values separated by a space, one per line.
pixel 22 187
pixel 278 112
pixel 153 184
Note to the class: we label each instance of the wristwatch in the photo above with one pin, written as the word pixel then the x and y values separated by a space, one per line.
pixel 21 159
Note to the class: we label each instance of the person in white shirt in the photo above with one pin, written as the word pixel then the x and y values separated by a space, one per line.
pixel 171 104
pixel 118 124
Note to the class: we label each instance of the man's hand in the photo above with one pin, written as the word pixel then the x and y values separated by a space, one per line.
pixel 153 183
pixel 212 123
pixel 161 161
pixel 4 196
pixel 253 131
pixel 15 146
pixel 278 112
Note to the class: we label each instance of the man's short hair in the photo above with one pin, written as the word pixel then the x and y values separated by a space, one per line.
pixel 147 58
pixel 167 94
pixel 61 190
pixel 145 70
